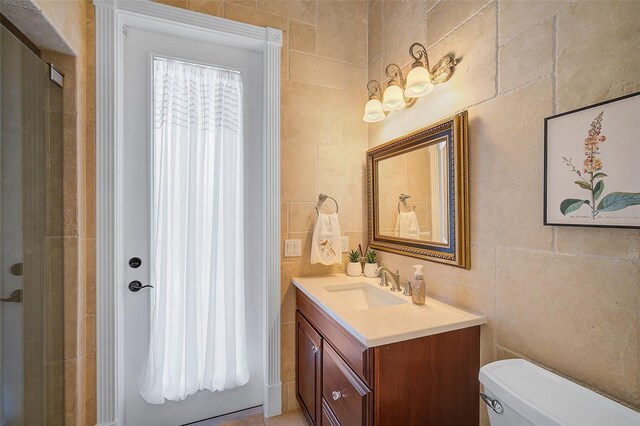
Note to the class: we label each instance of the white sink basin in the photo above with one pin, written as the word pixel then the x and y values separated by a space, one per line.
pixel 362 296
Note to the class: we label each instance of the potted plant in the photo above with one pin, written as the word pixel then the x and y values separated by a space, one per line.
pixel 371 267
pixel 354 268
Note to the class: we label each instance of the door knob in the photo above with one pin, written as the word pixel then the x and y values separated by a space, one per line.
pixel 15 297
pixel 136 286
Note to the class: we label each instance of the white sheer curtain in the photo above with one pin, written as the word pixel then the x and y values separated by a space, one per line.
pixel 197 239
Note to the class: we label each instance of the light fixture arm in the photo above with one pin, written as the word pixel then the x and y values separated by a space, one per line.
pixel 418 52
pixel 394 72
pixel 375 90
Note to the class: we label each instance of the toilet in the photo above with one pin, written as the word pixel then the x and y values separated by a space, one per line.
pixel 519 393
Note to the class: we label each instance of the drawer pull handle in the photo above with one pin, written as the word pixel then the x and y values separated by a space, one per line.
pixel 314 349
pixel 336 395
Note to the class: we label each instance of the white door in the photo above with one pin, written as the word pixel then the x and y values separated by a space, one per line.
pixel 140 49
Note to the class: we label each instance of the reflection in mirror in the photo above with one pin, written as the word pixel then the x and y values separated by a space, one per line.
pixel 417 193
pixel 413 190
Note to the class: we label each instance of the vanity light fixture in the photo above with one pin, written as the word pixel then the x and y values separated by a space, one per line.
pixel 401 93
pixel 373 111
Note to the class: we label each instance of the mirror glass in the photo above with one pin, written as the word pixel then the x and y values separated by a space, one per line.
pixel 413 201
pixel 417 193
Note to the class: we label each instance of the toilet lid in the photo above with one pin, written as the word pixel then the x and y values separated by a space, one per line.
pixel 546 398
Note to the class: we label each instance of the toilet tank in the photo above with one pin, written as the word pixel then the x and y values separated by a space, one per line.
pixel 526 394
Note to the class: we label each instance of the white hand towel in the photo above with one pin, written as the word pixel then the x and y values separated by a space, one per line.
pixel 407 225
pixel 326 242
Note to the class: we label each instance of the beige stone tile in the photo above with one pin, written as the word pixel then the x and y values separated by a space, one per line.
pixel 284 228
pixel 474 79
pixel 355 133
pixel 516 16
pixel 527 57
pixel 297 10
pixel 288 353
pixel 245 3
pixel 72 393
pixel 90 280
pixel 292 417
pixel 71 297
pixel 310 114
pixel 375 32
pixel 70 175
pixel 285 398
pixel 293 406
pixel 507 186
pixel 175 3
pixel 354 92
pixel 375 72
pixel 401 28
pixel 55 391
pixel 288 306
pixel 302 37
pixel 341 174
pixel 389 6
pixel 342 31
pixel 302 216
pixel 449 14
pixel 210 7
pixel 567 312
pixel 90 329
pixel 619 243
pixel 299 172
pixel 257 420
pixel 311 69
pixel 303 11
pixel 90 389
pixel 589 59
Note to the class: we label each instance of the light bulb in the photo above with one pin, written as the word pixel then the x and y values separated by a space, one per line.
pixel 418 82
pixel 373 111
pixel 393 100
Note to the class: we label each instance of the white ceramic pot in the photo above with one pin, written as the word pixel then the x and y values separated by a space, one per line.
pixel 370 270
pixel 354 269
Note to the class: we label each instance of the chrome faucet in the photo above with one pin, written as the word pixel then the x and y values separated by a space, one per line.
pixel 383 279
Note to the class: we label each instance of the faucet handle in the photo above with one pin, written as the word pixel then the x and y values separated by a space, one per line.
pixel 407 289
pixel 383 280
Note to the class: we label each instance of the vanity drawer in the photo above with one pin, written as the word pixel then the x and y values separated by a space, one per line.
pixel 357 355
pixel 346 395
pixel 328 418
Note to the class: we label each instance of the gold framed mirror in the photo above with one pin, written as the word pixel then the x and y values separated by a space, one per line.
pixel 418 193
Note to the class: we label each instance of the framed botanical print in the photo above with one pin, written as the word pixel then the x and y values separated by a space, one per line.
pixel 592 165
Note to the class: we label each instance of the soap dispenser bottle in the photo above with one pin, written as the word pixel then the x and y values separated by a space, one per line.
pixel 418 286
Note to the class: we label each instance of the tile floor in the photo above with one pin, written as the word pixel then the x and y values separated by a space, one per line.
pixel 291 418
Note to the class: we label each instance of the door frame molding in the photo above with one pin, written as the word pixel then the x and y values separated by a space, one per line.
pixel 112 19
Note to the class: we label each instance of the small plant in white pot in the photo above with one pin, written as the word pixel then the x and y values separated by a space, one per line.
pixel 371 267
pixel 354 268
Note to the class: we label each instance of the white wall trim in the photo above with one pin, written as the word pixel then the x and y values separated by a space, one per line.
pixel 111 17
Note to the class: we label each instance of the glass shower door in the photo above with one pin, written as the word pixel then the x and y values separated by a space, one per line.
pixel 31 257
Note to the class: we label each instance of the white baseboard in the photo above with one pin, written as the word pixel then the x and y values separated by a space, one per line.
pixel 273 400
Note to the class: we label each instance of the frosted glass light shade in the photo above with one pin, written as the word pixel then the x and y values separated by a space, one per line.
pixel 393 99
pixel 418 83
pixel 373 111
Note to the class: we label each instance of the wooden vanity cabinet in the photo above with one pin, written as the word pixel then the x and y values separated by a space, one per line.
pixel 431 380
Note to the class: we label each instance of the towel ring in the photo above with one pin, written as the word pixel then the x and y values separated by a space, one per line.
pixel 403 201
pixel 321 199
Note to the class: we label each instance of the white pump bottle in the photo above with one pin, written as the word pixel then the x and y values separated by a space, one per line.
pixel 418 286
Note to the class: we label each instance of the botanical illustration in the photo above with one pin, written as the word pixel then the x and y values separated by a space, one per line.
pixel 592 178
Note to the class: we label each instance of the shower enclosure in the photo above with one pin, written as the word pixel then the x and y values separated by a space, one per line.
pixel 31 238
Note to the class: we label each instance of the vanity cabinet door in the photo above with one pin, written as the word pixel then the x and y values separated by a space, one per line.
pixel 346 395
pixel 308 369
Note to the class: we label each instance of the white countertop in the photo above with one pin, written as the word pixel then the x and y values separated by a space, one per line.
pixel 385 324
